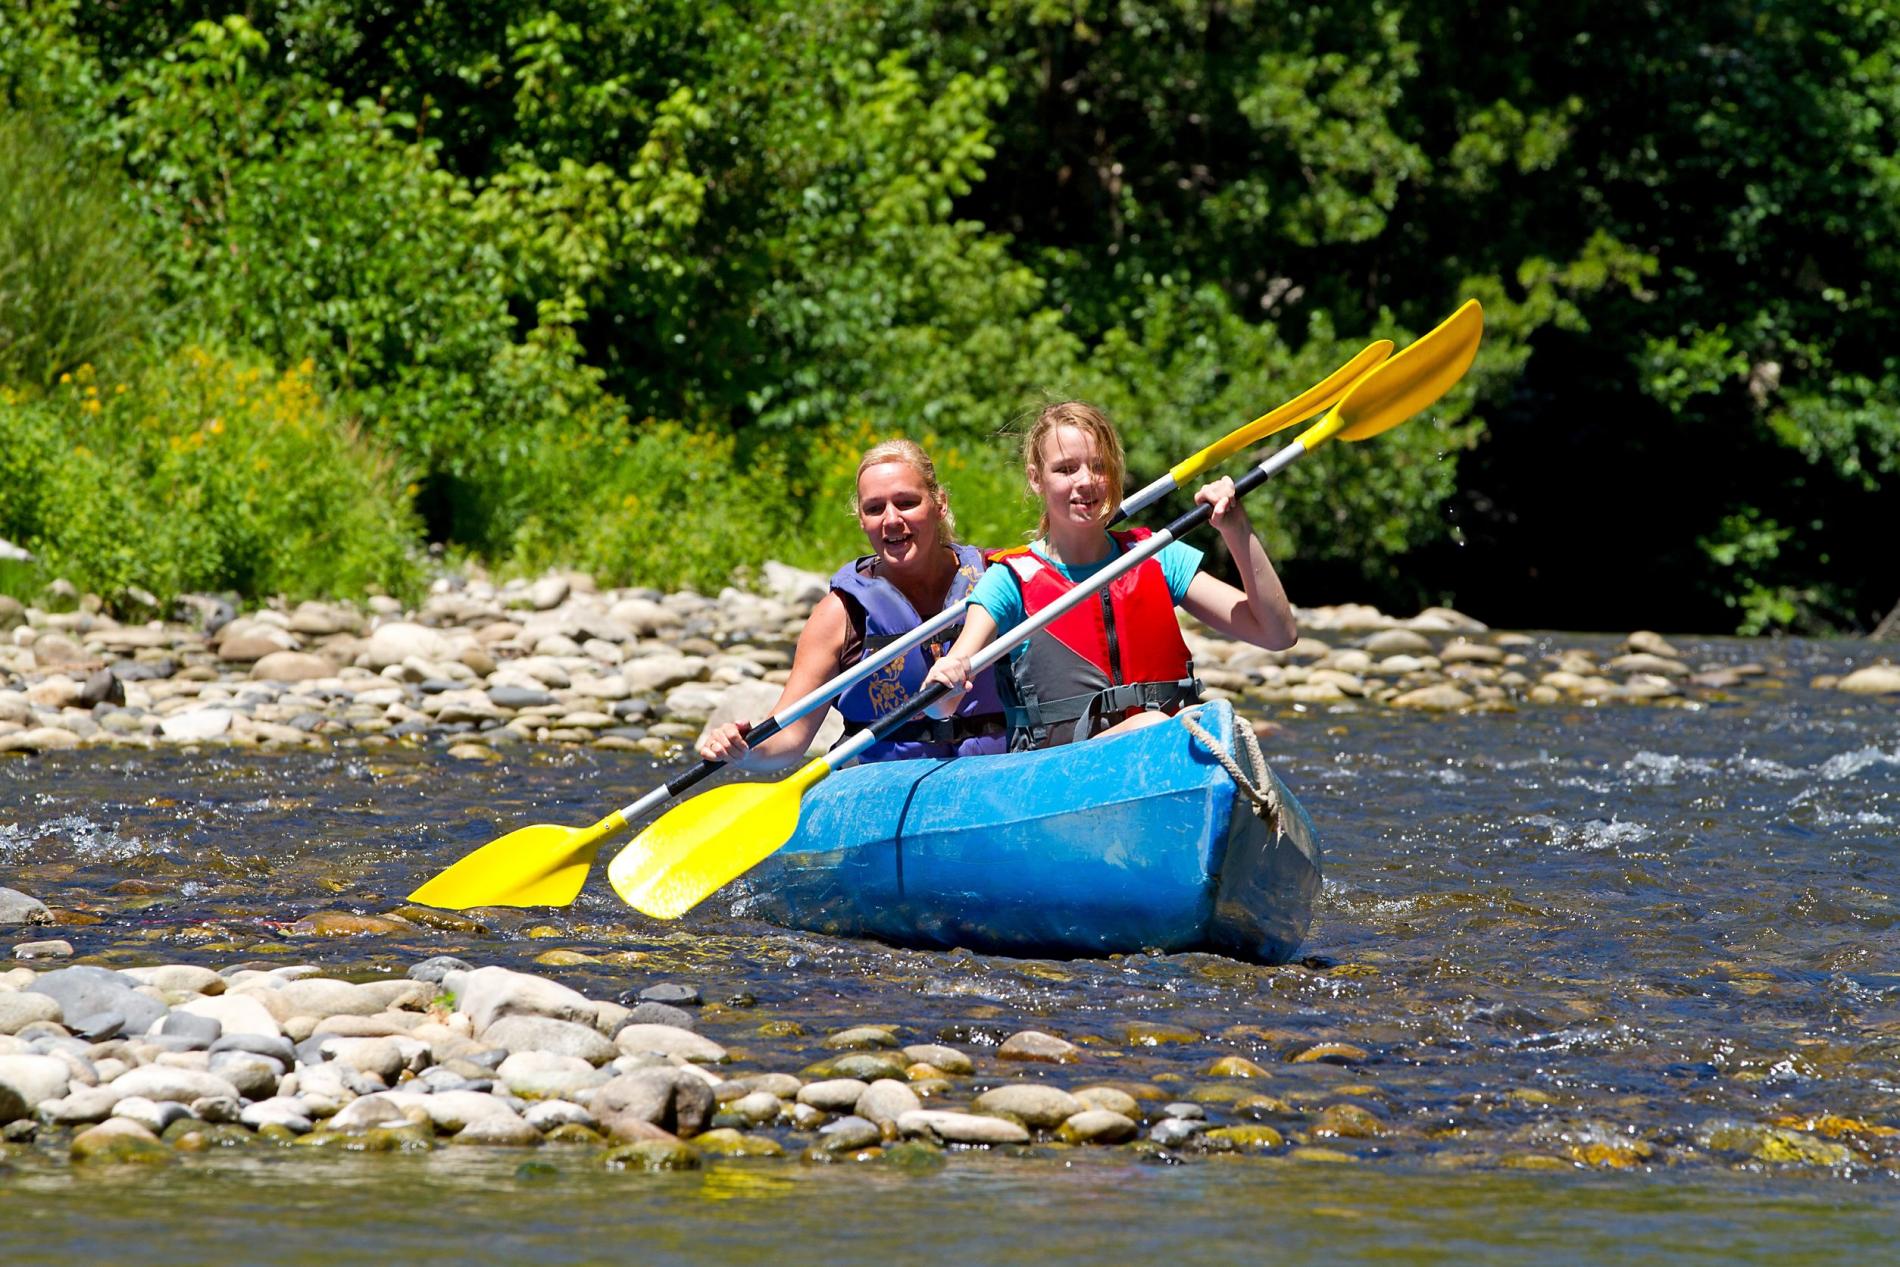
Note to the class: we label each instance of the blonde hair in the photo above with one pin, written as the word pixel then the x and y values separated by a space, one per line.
pixel 1093 423
pixel 910 454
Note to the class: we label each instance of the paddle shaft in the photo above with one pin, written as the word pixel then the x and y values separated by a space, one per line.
pixel 818 698
pixel 1002 645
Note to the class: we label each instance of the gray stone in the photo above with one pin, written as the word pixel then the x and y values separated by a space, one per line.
pixel 85 991
pixel 102 688
pixel 1097 1126
pixel 833 1095
pixel 255 1077
pixel 1184 1109
pixel 196 725
pixel 201 1030
pixel 667 1097
pixel 154 1115
pixel 674 993
pixel 961 1128
pixel 488 994
pixel 518 1034
pixel 216 1108
pixel 848 1134
pixel 549 1114
pixel 517 697
pixel 33 1080
pixel 511 1131
pixel 538 1074
pixel 164 1082
pixel 20 908
pixel 276 1047
pixel 19 1009
pixel 668 1040
pixel 80 1105
pixel 1172 1132
pixel 367 1113
pixel 948 1059
pixel 886 1100
pixel 757 1108
pixel 660 1014
pixel 1043 1107
pixel 280 1110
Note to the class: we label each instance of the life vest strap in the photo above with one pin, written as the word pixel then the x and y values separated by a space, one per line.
pixel 941 730
pixel 1034 717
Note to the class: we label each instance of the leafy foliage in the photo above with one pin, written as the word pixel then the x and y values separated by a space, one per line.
pixel 556 254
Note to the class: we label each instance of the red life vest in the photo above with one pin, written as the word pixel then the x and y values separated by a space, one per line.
pixel 1101 660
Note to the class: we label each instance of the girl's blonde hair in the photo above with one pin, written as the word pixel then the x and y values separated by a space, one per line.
pixel 911 454
pixel 1091 422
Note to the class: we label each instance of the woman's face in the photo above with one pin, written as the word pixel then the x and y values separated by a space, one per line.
pixel 1070 478
pixel 899 517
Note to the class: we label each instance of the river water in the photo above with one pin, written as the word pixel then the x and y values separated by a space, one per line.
pixel 1626 979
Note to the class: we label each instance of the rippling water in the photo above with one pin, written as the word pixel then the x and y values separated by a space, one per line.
pixel 1589 933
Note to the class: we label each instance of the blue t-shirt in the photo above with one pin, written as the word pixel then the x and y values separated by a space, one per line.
pixel 998 593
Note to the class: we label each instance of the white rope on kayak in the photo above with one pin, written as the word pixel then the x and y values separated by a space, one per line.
pixel 1262 793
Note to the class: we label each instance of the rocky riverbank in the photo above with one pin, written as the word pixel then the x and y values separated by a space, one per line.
pixel 141 1065
pixel 558 661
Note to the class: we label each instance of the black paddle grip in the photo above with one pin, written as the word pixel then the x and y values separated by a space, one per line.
pixel 754 734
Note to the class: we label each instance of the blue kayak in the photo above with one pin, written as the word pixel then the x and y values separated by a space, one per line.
pixel 1140 842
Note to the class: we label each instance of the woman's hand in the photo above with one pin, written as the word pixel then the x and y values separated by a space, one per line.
pixel 1230 515
pixel 726 744
pixel 954 672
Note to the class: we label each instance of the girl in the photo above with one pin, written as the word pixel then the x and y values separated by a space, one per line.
pixel 1119 662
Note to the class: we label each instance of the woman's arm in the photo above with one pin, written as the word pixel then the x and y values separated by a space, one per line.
pixel 816 661
pixel 1260 613
pixel 953 666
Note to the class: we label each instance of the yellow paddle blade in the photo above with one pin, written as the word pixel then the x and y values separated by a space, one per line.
pixel 1415 378
pixel 1314 399
pixel 535 866
pixel 692 850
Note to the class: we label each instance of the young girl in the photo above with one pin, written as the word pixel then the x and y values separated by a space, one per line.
pixel 915 570
pixel 1119 662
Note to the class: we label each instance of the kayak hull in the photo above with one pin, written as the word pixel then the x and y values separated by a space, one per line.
pixel 1140 842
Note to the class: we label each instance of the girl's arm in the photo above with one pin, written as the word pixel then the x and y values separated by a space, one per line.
pixel 953 666
pixel 1260 614
pixel 816 661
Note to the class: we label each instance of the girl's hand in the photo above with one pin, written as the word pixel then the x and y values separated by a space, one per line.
pixel 1230 516
pixel 953 671
pixel 726 743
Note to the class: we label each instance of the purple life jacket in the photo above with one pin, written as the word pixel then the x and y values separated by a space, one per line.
pixel 883 615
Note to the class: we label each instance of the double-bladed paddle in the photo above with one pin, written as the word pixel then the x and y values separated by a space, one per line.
pixel 695 849
pixel 547 865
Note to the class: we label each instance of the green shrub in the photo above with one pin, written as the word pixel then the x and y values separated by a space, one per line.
pixel 73 286
pixel 203 472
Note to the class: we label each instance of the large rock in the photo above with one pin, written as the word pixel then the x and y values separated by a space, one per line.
pixel 21 908
pixel 668 1040
pixel 540 1074
pixel 488 994
pixel 1875 679
pixel 34 1079
pixel 196 725
pixel 291 666
pixel 397 641
pixel 662 672
pixel 669 1098
pixel 19 1009
pixel 1036 1104
pixel 87 996
pixel 237 1013
pixel 961 1128
pixel 165 1082
pixel 518 1034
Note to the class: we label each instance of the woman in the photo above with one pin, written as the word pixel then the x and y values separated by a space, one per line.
pixel 915 571
pixel 1117 663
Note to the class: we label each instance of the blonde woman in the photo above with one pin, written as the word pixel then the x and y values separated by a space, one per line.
pixel 1109 666
pixel 915 570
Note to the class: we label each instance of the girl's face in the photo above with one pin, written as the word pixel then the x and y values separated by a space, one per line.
pixel 900 518
pixel 1070 478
